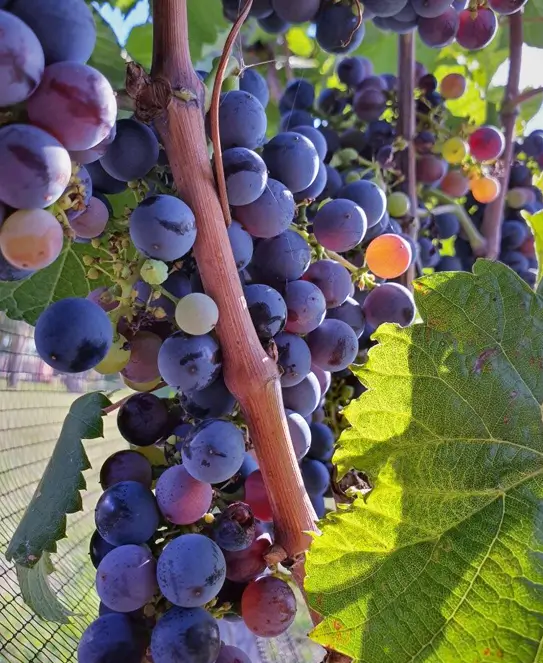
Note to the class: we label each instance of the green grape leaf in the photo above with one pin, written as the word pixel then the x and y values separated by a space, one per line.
pixel 106 56
pixel 535 221
pixel 37 594
pixel 442 562
pixel 66 277
pixel 57 494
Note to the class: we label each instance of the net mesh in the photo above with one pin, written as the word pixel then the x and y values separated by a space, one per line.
pixel 33 403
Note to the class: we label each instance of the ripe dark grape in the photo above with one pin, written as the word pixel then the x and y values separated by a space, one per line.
pixel 476 29
pixel 257 498
pixel 430 169
pixel 104 182
pixel 322 442
pixel 109 638
pixel 299 94
pixel 333 183
pixel 337 30
pixel 98 548
pixel 241 243
pixel 315 136
pixel 441 31
pixel 213 451
pixel 163 227
pixel 267 309
pixel 93 221
pixel 229 654
pixel 143 363
pixel 303 397
pixel 126 465
pixel 270 214
pixel 389 302
pixel 340 225
pixel 296 12
pixel 185 636
pixel 351 313
pixel 242 120
pixel 447 225
pixel 332 279
pixel 315 189
pixel 370 197
pixel 143 419
pixel 333 345
pixel 353 70
pixel 315 475
pixel 191 570
pixel 283 258
pixel 245 174
pixel 251 81
pixel 189 362
pixel 292 159
pixel 182 499
pixel 212 402
pixel 295 118
pixel 126 578
pixel 506 7
pixel 331 101
pixel 273 24
pixel 369 104
pixel 294 358
pixel 268 606
pixel 234 529
pixel 430 8
pixel 126 513
pixel 428 252
pixel 306 306
pixel 299 433
pixel 133 152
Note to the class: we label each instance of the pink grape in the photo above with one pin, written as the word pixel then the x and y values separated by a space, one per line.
pixel 34 167
pixel 93 220
pixel 476 29
pixel 94 153
pixel 268 606
pixel 143 364
pixel 182 499
pixel 21 60
pixel 486 143
pixel 506 7
pixel 75 103
pixel 31 239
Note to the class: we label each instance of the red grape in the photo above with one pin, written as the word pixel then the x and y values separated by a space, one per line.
pixel 430 169
pixel 506 7
pixel 268 606
pixel 440 31
pixel 476 29
pixel 455 184
pixel 182 499
pixel 257 497
pixel 452 86
pixel 486 143
pixel 93 220
pixel 245 565
pixel 143 364
pixel 31 239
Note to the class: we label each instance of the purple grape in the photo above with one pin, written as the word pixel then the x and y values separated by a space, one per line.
pixel 245 174
pixel 229 654
pixel 430 8
pixel 182 499
pixel 300 434
pixel 389 302
pixel 304 397
pixel 332 279
pixel 98 548
pixel 322 442
pixel 441 31
pixel 95 153
pixel 333 345
pixel 177 284
pixel 340 225
pixel 338 30
pixel 267 309
pixel 185 636
pixel 270 214
pixel 306 306
pixel 367 195
pixel 315 136
pixel 126 465
pixel 294 358
pixel 292 159
pixel 189 362
pixel 251 81
pixel 299 94
pixel 133 152
pixel 353 70
pixel 212 402
pixel 283 258
pixel 126 578
pixel 241 243
pixel 296 12
pixel 143 419
pixel 242 120
pixel 112 637
pixel 234 529
pixel 333 183
pixel 315 475
pixel 273 24
pixel 103 182
pixel 324 378
pixel 351 313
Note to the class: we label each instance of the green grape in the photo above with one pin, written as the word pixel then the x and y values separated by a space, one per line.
pixel 116 359
pixel 455 150
pixel 154 272
pixel 196 314
pixel 398 204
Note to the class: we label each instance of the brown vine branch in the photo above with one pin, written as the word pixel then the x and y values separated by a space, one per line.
pixel 214 110
pixel 406 129
pixel 250 374
pixel 492 220
pixel 523 97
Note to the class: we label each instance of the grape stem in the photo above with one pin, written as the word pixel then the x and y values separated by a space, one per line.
pixel 522 98
pixel 476 240
pixel 250 374
pixel 342 261
pixel 492 220
pixel 214 109
pixel 406 130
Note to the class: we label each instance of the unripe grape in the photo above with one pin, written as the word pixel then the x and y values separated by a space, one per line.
pixel 196 314
pixel 452 86
pixel 389 256
pixel 154 272
pixel 31 239
pixel 485 189
pixel 141 386
pixel 398 204
pixel 455 184
pixel 116 359
pixel 454 150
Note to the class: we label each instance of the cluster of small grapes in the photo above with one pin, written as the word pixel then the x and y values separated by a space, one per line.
pixel 338 30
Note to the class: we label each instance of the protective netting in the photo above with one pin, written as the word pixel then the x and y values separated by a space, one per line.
pixel 33 403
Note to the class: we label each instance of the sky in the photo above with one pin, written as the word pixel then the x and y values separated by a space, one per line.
pixel 532 58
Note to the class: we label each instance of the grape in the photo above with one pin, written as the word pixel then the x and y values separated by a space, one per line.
pixel 234 529
pixel 454 150
pixel 353 70
pixel 196 314
pixel 296 12
pixel 331 101
pixel 254 83
pixel 284 258
pixel 441 31
pixel 244 565
pixel 126 578
pixel 34 167
pixel 213 452
pixel 295 118
pixel 73 335
pixel 337 30
pixel 273 24
pixel 316 138
pixel 294 358
pixel 177 284
pixel 350 312
pixel 143 364
pixel 318 504
pixel 245 174
pixel 267 309
pixel 191 570
pixel 389 302
pixel 306 307
pixel 189 362
pixel 257 498
pixel 94 153
pixel 126 513
pixel 430 8
pixel 447 225
pixel 186 636
pixel 270 214
pixel 126 465
pixel 384 8
pixel 324 378
pixel 304 397
pixel 485 189
pixel 259 8
pixel 229 654
pixel 369 104
pixel 532 145
pixel 506 7
pixel 333 183
pixel 322 442
pixel 22 60
pixel 242 120
pixel 514 234
pixel 103 298
pixel 388 256
pixel 133 152
pixel 298 95
pixel 268 606
pixel 31 239
pixel 110 638
pixel 182 499
pixel 430 169
pixel 369 197
pixel 116 359
pixel 102 181
pixel 315 475
pixel 453 86
pixel 299 433
pixel 9 273
pixel 398 204
pixel 213 401
pixel 476 29
pixel 241 243
pixel 454 184
pixel 66 30
pixel 76 104
pixel 340 225
pixel 143 419
pixel 163 227
pixel 449 264
pixel 315 189
pixel 486 143
pixel 93 221
pixel 424 142
pixel 292 159
pixel 98 548
pixel 332 279
pixel 333 345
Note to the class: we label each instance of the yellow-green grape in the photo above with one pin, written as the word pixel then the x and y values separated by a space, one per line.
pixel 141 386
pixel 398 204
pixel 518 197
pixel 116 359
pixel 455 150
pixel 154 272
pixel 196 314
